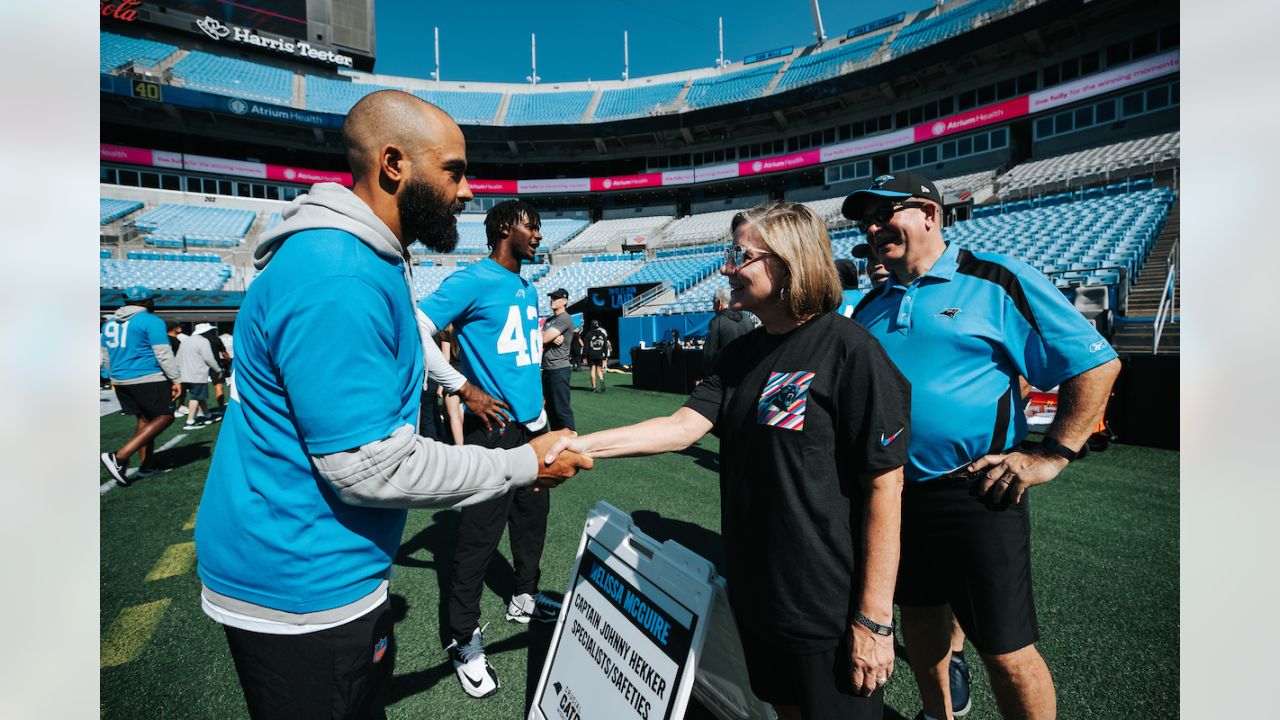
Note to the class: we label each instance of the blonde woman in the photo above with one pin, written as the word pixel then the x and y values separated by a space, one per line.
pixel 813 424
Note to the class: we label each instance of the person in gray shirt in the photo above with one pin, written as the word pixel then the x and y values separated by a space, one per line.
pixel 557 336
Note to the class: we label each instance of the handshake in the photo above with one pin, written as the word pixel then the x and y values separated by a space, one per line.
pixel 565 464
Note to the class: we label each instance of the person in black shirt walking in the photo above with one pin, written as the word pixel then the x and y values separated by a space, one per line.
pixel 813 421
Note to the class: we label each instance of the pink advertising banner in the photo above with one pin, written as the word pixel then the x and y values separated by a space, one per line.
pixel 972 119
pixel 866 146
pixel 1106 81
pixel 626 182
pixel 241 168
pixel 124 154
pixel 303 175
pixel 554 185
pixel 779 162
pixel 493 187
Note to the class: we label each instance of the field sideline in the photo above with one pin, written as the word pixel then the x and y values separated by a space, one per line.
pixel 1105 544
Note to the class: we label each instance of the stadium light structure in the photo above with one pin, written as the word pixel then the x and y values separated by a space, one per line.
pixel 436 75
pixel 720 61
pixel 533 49
pixel 626 57
pixel 818 32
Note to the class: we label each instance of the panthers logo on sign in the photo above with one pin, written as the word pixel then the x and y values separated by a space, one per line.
pixel 784 400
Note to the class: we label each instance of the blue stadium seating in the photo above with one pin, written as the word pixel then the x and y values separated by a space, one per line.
pixel 732 87
pixel 236 78
pixel 163 274
pixel 273 220
pixel 681 273
pixel 547 108
pixel 110 210
pixel 116 51
pixel 576 278
pixel 465 107
pixel 820 66
pixel 337 96
pixel 940 27
pixel 178 226
pixel 1072 238
pixel 104 253
pixel 635 102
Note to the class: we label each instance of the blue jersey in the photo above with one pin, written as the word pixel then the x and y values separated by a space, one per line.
pixel 849 300
pixel 129 345
pixel 495 318
pixel 962 333
pixel 328 358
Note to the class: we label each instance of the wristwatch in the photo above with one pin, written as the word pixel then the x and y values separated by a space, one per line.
pixel 874 626
pixel 1057 448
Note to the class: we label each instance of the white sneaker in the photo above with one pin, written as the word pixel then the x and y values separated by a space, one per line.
pixel 526 607
pixel 475 674
pixel 115 469
pixel 180 411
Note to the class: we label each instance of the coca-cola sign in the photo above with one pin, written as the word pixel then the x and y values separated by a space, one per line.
pixel 126 10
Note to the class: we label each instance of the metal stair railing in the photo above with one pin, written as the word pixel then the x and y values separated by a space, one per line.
pixel 1168 311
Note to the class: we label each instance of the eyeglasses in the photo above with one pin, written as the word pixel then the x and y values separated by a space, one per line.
pixel 882 214
pixel 738 256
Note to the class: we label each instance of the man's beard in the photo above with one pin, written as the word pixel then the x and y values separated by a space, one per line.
pixel 428 217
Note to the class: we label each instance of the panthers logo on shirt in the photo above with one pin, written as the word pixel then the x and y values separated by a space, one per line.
pixel 784 399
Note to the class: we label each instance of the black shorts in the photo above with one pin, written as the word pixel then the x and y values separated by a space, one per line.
pixel 196 391
pixel 596 361
pixel 334 673
pixel 818 683
pixel 147 400
pixel 959 548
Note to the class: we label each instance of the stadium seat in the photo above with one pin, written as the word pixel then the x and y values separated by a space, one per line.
pixel 948 24
pixel 634 102
pixel 117 51
pixel 547 108
pixel 819 66
pixel 731 87
pixel 236 78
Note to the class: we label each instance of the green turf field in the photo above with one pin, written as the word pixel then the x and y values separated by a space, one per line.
pixel 1105 541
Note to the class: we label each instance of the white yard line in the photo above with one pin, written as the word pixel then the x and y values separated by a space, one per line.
pixel 106 486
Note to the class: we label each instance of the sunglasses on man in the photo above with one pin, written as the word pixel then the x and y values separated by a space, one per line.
pixel 884 213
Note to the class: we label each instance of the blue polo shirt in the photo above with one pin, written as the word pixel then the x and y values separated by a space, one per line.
pixel 849 300
pixel 962 333
pixel 328 358
pixel 129 345
pixel 495 318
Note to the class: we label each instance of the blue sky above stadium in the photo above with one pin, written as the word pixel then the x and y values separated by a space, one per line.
pixel 489 40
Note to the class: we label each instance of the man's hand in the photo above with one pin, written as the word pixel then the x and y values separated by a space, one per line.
pixel 871 659
pixel 485 406
pixel 563 464
pixel 558 341
pixel 175 391
pixel 1014 472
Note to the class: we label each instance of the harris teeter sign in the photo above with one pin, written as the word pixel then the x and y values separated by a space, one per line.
pixel 632 624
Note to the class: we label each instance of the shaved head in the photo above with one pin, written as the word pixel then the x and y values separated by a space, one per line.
pixel 393 117
pixel 408 161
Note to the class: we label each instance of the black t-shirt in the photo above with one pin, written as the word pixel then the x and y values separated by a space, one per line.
pixel 800 417
pixel 597 343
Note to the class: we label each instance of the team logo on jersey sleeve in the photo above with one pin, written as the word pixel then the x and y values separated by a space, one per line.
pixel 784 399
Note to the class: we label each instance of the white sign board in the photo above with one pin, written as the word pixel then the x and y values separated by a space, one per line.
pixel 632 625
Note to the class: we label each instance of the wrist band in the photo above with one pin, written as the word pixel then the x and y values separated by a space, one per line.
pixel 1057 448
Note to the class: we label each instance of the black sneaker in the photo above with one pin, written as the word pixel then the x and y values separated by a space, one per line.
pixel 475 674
pixel 525 607
pixel 115 469
pixel 961 699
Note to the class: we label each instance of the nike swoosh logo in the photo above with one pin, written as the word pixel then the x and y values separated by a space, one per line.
pixel 474 683
pixel 887 441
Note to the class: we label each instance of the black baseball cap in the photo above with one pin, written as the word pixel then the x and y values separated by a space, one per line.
pixel 898 186
pixel 861 251
pixel 558 293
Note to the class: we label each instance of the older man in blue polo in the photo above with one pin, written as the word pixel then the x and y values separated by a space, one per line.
pixel 962 326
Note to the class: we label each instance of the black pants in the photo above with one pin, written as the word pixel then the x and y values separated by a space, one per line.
pixel 480 531
pixel 334 673
pixel 555 388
